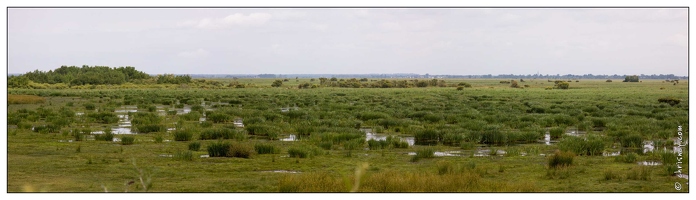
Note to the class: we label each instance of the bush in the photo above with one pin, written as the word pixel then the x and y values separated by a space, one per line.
pixel 562 85
pixel 221 133
pixel 262 148
pixel 149 128
pixel 377 144
pixel 241 150
pixel 592 145
pixel 127 140
pixel 493 136
pixel 561 159
pixel 194 146
pixel 608 80
pixel 219 117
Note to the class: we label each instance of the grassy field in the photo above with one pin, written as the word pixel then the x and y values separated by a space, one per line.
pixel 485 138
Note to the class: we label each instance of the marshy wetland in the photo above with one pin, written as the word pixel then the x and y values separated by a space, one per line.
pixel 595 136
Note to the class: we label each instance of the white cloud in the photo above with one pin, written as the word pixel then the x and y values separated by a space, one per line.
pixel 199 53
pixel 237 19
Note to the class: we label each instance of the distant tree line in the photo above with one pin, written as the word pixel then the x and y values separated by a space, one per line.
pixel 96 75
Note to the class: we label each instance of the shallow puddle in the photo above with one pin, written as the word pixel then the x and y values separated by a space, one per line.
pixel 166 155
pixel 205 156
pixel 441 153
pixel 487 152
pixel 283 171
pixel 649 163
pixel 382 137
pixel 289 138
pixel 617 153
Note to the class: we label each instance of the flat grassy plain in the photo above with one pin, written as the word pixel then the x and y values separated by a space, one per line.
pixel 486 138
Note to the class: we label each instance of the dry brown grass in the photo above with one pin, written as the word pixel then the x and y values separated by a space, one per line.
pixel 24 99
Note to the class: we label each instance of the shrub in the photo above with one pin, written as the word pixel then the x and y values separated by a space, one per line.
pixel 241 150
pixel 608 81
pixel 127 140
pixel 89 106
pixel 377 144
pixel 303 152
pixel 194 146
pixel 191 116
pixel 467 145
pixel 668 157
pixel 561 159
pixel 562 85
pixel 221 133
pixel 263 148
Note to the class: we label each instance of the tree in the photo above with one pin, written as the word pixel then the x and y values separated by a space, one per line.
pixel 633 78
pixel 277 83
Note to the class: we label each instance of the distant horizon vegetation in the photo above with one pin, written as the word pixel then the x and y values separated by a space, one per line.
pixel 402 75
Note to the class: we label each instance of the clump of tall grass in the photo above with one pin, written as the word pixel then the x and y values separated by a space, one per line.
pixel 628 158
pixel 265 148
pixel 227 149
pixel 421 153
pixel 427 137
pixel 638 173
pixel 127 140
pixel 561 159
pixel 218 149
pixel 24 99
pixel 592 145
pixel 183 156
pixel 556 132
pixel 106 136
pixel 377 144
pixel 304 151
pixel 183 135
pixel 610 174
pixel 632 140
pixel 668 157
pixel 194 146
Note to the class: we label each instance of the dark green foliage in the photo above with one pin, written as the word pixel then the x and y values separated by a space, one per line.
pixel 633 78
pixel 127 140
pixel 669 100
pixel 219 117
pixel 492 135
pixel 194 146
pixel 427 137
pixel 369 115
pixel 106 136
pixel 668 157
pixel 183 135
pixel 377 144
pixel 277 83
pixel 191 116
pixel 263 130
pixel 304 152
pixel 556 132
pixel 89 106
pixel 354 144
pixel 219 149
pixel 266 148
pixel 221 133
pixel 172 79
pixel 639 173
pixel 241 150
pixel 452 139
pixel 103 117
pixel 423 153
pixel 95 75
pixel 149 128
pixel 561 159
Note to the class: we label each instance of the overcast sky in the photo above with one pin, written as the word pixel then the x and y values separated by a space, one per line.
pixel 353 40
